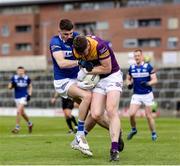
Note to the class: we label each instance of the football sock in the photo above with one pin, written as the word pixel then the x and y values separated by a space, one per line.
pixel 29 123
pixel 114 146
pixel 153 133
pixel 134 129
pixel 17 126
pixel 80 127
pixel 68 121
pixel 85 132
pixel 73 119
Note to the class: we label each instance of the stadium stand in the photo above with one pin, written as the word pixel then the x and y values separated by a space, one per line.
pixel 166 92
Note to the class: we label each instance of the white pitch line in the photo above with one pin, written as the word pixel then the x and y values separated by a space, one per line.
pixel 43 135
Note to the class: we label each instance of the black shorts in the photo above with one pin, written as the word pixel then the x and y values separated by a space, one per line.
pixel 67 103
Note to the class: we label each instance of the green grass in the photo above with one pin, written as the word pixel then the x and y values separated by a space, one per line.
pixel 49 144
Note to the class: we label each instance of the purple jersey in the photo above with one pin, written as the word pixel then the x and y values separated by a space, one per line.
pixel 99 50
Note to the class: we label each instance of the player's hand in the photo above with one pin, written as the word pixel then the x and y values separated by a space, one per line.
pixel 144 84
pixel 85 64
pixel 130 86
pixel 13 84
pixel 53 100
pixel 81 74
pixel 28 98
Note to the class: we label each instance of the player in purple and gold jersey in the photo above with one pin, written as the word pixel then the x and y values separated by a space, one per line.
pixel 22 91
pixel 140 78
pixel 98 58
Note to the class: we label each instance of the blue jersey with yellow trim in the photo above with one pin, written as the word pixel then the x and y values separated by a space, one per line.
pixel 99 50
pixel 140 74
pixel 57 44
pixel 22 83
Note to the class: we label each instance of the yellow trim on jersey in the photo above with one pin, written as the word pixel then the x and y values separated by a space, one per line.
pixel 93 54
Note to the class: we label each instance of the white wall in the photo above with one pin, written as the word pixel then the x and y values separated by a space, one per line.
pixel 38 62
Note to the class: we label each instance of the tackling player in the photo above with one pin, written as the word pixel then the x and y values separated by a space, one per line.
pixel 65 74
pixel 98 58
pixel 140 78
pixel 23 90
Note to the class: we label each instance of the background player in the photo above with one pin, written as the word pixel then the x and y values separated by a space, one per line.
pixel 22 91
pixel 141 77
pixel 67 106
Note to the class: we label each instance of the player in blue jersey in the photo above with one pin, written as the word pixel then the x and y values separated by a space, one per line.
pixel 65 73
pixel 22 86
pixel 140 78
pixel 106 94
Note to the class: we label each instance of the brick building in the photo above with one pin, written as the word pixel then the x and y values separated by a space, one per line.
pixel 26 26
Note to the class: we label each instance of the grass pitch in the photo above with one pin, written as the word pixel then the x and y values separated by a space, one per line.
pixel 50 144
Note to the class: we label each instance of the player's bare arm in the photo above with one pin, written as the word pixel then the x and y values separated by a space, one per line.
pixel 62 62
pixel 129 80
pixel 30 89
pixel 153 79
pixel 10 86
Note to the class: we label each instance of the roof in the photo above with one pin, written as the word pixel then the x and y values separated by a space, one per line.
pixel 33 2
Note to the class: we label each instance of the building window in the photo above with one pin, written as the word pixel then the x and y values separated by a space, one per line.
pixel 149 42
pixel 172 42
pixel 5 31
pixel 102 25
pixel 23 47
pixel 86 28
pixel 23 28
pixel 130 24
pixel 173 23
pixel 68 7
pixel 130 43
pixel 5 49
pixel 149 22
pixel 142 23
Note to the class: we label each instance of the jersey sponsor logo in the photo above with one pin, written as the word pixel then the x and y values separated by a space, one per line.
pixel 21 83
pixel 103 50
pixel 137 75
pixel 67 53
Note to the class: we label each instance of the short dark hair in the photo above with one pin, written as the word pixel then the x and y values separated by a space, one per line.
pixel 20 67
pixel 138 50
pixel 80 43
pixel 66 24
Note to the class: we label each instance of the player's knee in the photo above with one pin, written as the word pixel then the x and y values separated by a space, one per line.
pixel 95 115
pixel 112 113
pixel 149 116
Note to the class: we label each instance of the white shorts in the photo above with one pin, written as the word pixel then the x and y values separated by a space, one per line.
pixel 21 100
pixel 62 86
pixel 146 99
pixel 110 83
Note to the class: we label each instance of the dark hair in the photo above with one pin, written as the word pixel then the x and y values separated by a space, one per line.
pixel 66 24
pixel 20 67
pixel 138 50
pixel 80 43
